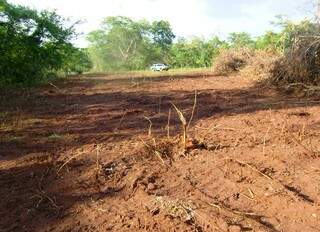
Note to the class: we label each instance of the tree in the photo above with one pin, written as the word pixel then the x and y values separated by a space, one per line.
pixel 77 61
pixel 33 45
pixel 162 34
pixel 195 53
pixel 269 41
pixel 242 39
pixel 124 44
pixel 292 32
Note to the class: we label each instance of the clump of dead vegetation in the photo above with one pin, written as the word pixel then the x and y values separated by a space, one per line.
pixel 162 149
pixel 260 65
pixel 232 60
pixel 183 210
pixel 299 68
pixel 255 64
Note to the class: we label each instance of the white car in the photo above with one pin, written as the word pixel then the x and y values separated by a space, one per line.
pixel 159 67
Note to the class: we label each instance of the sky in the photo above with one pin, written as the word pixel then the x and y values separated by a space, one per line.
pixel 188 18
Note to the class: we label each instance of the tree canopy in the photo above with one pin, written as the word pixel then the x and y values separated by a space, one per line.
pixel 124 44
pixel 33 45
pixel 36 45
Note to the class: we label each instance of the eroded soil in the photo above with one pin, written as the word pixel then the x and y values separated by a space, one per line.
pixel 82 155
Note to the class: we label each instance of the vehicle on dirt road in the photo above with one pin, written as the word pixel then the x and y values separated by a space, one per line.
pixel 159 67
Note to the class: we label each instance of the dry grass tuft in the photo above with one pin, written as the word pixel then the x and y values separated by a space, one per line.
pixel 163 149
pixel 183 210
pixel 183 124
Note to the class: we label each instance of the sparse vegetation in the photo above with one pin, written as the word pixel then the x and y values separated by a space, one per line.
pixel 215 143
pixel 54 137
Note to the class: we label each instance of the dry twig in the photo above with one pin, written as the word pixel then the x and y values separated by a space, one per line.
pixel 70 159
pixel 193 108
pixel 184 125
pixel 168 124
pixel 150 126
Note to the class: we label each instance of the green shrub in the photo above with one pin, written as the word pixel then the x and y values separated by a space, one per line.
pixel 34 45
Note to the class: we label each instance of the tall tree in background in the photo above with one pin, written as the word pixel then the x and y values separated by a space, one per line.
pixel 242 39
pixel 162 34
pixel 293 32
pixel 124 44
pixel 269 41
pixel 195 53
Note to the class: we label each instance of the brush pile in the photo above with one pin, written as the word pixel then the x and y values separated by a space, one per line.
pixel 255 64
pixel 300 67
pixel 232 60
pixel 260 65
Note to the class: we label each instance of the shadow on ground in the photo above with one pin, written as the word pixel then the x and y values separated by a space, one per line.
pixel 92 110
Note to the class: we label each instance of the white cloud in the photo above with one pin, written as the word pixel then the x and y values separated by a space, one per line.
pixel 187 17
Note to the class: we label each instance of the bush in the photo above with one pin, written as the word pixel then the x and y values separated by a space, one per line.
pixel 232 60
pixel 34 46
pixel 77 62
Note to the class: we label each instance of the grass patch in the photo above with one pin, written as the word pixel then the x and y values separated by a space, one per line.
pixel 12 139
pixel 55 137
pixel 4 115
pixel 149 73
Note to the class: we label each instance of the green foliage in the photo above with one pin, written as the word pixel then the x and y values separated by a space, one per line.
pixel 77 61
pixel 161 34
pixel 240 40
pixel 195 53
pixel 269 41
pixel 292 32
pixel 33 45
pixel 123 44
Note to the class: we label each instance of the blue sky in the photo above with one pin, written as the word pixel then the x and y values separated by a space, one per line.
pixel 187 17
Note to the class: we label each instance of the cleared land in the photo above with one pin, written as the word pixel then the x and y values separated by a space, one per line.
pixel 82 155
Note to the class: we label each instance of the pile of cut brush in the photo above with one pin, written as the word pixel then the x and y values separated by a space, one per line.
pixel 253 64
pixel 299 68
pixel 232 60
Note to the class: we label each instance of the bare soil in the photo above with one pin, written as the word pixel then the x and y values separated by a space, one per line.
pixel 82 155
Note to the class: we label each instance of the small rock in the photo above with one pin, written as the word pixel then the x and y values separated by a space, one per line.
pixel 314 215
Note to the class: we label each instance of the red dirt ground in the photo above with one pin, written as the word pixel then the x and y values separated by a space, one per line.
pixel 77 156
